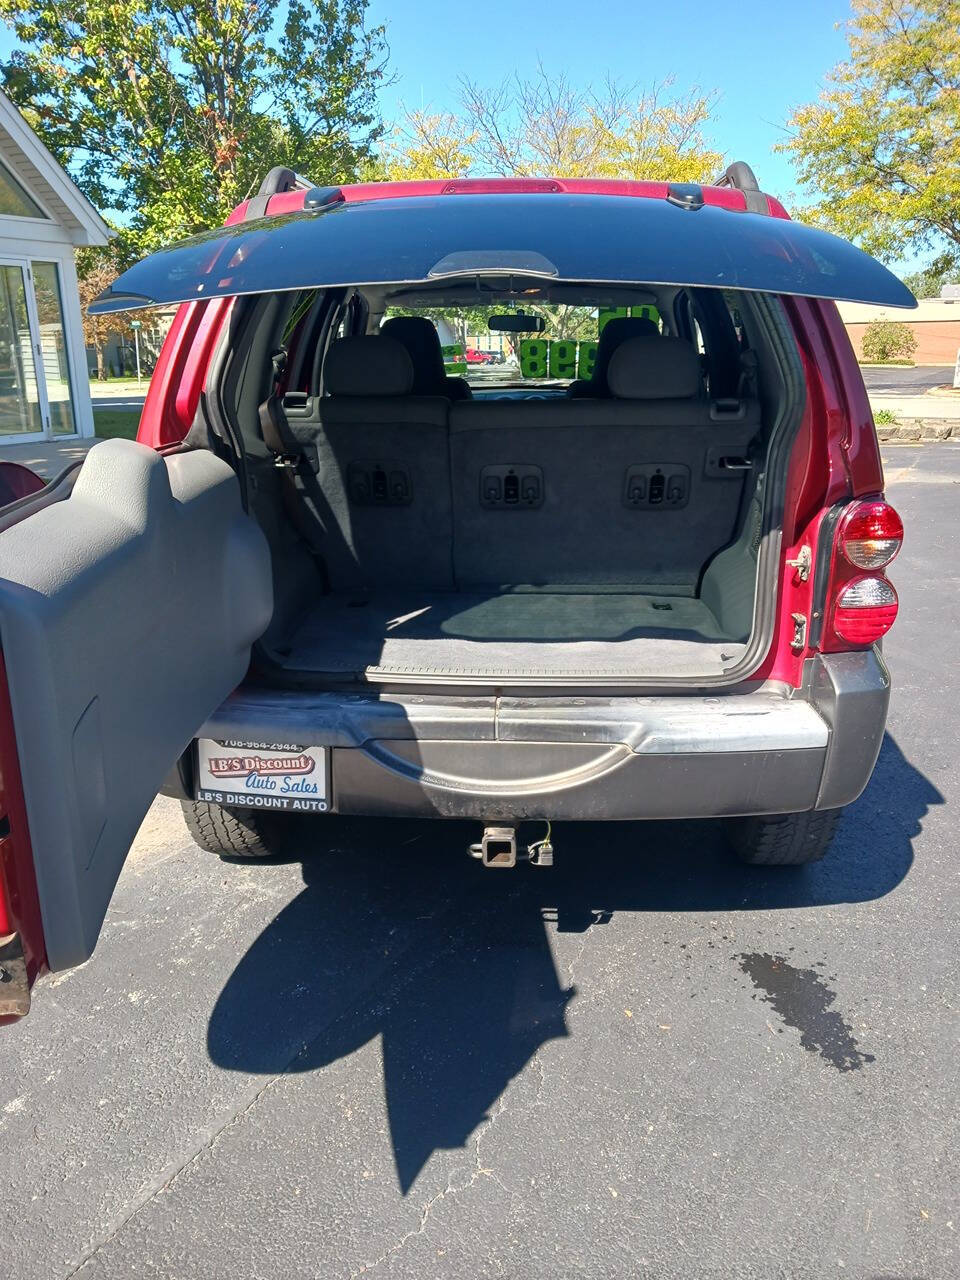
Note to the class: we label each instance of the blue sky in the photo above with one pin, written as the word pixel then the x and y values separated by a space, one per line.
pixel 762 58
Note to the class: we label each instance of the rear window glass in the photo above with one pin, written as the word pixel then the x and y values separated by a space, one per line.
pixel 562 351
pixel 615 239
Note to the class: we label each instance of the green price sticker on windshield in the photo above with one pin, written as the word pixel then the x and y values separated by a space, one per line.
pixel 534 356
pixel 606 314
pixel 453 359
pixel 563 359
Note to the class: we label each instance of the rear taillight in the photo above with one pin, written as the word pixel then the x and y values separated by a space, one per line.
pixel 861 605
pixel 870 534
pixel 866 609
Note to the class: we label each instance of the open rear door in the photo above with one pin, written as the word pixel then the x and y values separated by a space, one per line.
pixel 421 239
pixel 129 598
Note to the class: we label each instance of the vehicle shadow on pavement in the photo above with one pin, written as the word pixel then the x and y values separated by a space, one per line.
pixel 399 934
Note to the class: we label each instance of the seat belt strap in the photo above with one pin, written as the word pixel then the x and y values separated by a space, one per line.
pixel 293 465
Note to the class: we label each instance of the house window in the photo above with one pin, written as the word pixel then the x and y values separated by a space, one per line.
pixel 14 201
pixel 53 348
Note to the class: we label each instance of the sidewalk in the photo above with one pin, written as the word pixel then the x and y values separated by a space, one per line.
pixel 928 406
pixel 47 457
pixel 120 390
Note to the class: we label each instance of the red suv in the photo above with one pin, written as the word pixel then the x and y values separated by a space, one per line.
pixel 330 579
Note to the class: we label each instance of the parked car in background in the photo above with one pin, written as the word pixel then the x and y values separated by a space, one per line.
pixel 330 579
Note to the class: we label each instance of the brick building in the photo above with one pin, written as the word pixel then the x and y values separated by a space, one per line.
pixel 936 324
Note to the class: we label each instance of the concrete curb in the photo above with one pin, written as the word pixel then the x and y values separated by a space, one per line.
pixel 919 429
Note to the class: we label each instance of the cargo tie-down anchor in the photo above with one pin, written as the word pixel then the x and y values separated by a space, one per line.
pixel 498 848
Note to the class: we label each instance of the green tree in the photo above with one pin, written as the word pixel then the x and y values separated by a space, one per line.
pixel 171 113
pixel 881 147
pixel 547 125
pixel 96 269
pixel 929 280
pixel 426 145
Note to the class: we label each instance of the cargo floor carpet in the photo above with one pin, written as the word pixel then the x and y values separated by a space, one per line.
pixel 508 633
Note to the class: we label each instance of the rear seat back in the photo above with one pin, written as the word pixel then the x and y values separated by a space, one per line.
pixel 383 468
pixel 632 490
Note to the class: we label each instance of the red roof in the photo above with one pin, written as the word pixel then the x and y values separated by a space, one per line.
pixel 723 197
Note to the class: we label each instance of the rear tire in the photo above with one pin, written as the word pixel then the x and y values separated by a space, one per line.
pixel 231 833
pixel 785 839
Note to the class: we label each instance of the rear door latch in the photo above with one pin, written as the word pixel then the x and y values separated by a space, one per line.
pixel 803 563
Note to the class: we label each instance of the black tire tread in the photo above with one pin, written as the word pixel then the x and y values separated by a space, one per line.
pixel 784 840
pixel 229 833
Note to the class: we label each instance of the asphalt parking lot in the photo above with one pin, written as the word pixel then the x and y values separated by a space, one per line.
pixel 908 380
pixel 375 1057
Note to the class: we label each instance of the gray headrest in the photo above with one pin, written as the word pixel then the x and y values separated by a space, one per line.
pixel 654 369
pixel 371 366
pixel 420 340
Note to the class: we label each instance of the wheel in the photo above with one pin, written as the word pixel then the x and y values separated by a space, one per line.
pixel 231 833
pixel 784 840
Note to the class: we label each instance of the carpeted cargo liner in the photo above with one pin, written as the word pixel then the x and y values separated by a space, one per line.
pixel 510 633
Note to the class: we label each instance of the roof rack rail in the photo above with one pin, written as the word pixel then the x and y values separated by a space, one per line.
pixel 280 178
pixel 741 177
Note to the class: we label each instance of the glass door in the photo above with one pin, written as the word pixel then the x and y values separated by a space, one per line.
pixel 23 412
pixel 52 343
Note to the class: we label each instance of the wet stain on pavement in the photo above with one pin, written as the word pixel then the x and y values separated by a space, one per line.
pixel 804 1001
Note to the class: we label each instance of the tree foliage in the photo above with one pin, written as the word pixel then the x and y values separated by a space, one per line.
pixel 171 113
pixel 929 280
pixel 881 147
pixel 547 125
pixel 96 269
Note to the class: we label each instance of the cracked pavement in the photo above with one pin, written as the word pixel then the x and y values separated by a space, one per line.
pixel 374 1057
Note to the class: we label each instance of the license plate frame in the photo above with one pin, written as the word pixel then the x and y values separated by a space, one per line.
pixel 271 776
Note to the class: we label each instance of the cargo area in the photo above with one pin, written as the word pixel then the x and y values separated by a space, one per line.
pixel 508 633
pixel 603 532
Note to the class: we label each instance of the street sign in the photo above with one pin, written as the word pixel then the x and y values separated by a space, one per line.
pixel 136 324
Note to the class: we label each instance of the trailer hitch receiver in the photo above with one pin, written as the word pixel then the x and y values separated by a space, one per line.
pixel 498 847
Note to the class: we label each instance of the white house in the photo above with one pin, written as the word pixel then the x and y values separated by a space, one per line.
pixel 44 392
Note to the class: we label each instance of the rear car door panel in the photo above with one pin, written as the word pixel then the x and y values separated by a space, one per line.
pixel 127 612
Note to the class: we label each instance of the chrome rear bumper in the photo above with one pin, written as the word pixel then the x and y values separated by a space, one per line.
pixel 767 751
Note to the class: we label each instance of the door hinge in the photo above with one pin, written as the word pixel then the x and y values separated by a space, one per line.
pixel 803 563
pixel 799 640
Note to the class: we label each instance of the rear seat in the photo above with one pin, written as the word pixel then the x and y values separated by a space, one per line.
pixel 407 497
pixel 615 332
pixel 593 457
pixel 384 470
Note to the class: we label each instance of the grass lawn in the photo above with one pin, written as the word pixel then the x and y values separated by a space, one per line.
pixel 109 423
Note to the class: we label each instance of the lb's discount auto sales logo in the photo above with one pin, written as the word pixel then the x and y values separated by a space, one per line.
pixel 265 766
